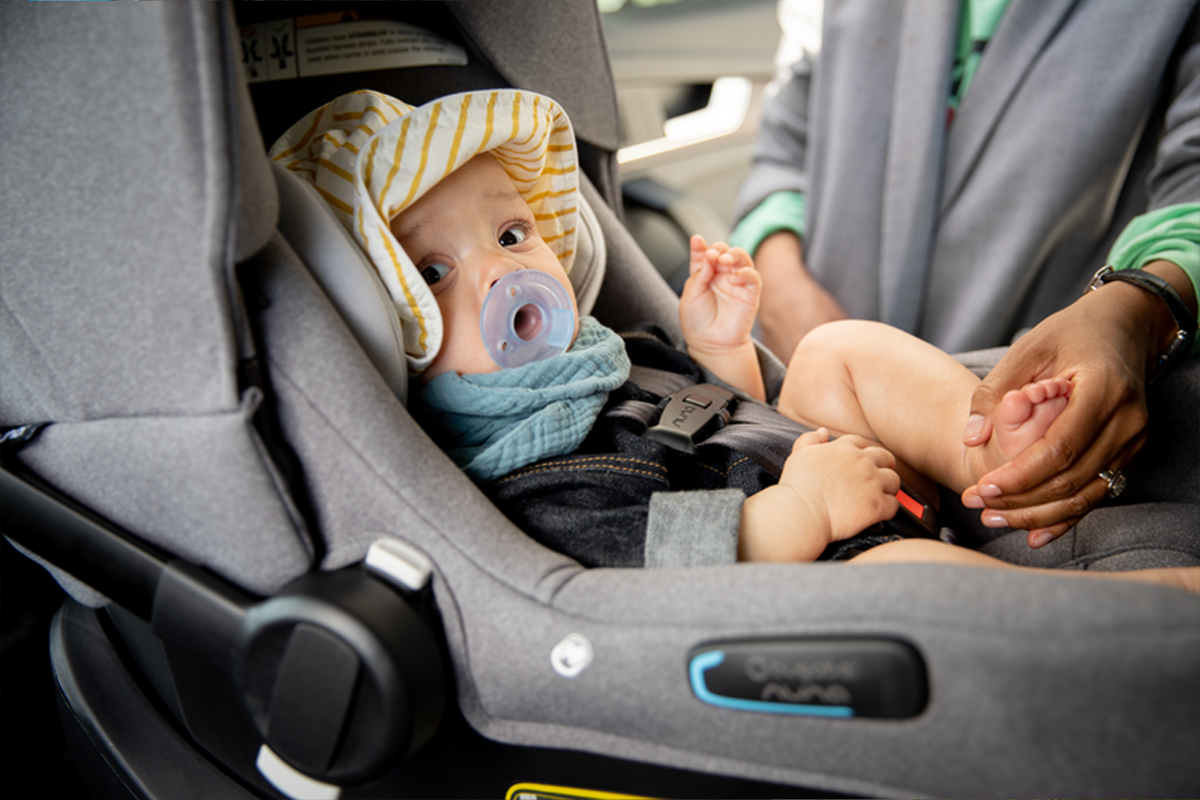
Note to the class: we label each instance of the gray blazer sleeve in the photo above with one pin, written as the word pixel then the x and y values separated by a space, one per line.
pixel 1175 177
pixel 779 157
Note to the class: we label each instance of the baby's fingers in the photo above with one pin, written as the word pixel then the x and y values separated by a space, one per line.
pixel 819 436
pixel 747 276
pixel 861 442
pixel 882 458
pixel 891 481
pixel 736 256
pixel 701 263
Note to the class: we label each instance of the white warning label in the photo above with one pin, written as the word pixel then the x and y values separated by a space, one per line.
pixel 269 51
pixel 291 49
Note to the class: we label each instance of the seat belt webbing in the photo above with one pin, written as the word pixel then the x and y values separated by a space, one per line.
pixel 756 429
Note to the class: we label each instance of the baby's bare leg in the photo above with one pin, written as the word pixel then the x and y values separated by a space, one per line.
pixel 881 383
pixel 927 551
pixel 872 379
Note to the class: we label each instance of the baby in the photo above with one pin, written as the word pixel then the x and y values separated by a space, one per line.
pixel 865 379
pixel 884 394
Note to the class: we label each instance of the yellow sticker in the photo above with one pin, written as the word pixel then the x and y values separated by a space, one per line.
pixel 542 791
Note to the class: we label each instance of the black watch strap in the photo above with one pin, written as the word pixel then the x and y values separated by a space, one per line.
pixel 1166 292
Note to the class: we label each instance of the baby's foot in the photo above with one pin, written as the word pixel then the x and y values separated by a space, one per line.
pixel 1021 418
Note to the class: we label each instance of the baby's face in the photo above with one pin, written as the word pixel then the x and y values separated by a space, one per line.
pixel 465 234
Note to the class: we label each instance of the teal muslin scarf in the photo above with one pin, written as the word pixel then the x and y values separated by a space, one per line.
pixel 495 422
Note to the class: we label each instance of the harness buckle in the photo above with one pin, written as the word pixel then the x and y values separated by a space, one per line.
pixel 691 415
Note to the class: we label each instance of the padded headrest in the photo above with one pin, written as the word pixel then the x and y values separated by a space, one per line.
pixel 494 39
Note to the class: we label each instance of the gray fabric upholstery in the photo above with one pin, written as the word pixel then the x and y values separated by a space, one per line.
pixel 370 470
pixel 200 487
pixel 523 46
pixel 130 191
pixel 634 291
pixel 79 162
pixel 566 32
pixel 345 275
pixel 1010 659
pixel 981 362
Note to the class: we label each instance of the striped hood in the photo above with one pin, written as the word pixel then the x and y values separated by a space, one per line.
pixel 370 156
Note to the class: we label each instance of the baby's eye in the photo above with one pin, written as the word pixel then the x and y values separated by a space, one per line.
pixel 435 272
pixel 513 236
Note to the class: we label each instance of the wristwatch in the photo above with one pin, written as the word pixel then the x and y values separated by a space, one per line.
pixel 1166 292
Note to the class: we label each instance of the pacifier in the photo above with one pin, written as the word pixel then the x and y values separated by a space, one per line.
pixel 527 316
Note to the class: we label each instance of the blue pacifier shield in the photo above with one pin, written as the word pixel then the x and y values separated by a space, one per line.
pixel 527 316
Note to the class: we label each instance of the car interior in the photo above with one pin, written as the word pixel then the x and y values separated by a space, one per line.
pixel 234 566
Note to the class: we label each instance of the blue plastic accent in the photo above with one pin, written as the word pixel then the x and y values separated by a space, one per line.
pixel 714 658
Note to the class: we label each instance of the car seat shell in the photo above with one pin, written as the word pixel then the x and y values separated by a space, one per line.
pixel 1015 663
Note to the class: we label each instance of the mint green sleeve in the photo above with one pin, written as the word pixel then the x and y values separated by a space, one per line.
pixel 1170 234
pixel 781 211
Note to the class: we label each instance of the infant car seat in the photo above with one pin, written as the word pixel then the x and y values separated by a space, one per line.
pixel 301 596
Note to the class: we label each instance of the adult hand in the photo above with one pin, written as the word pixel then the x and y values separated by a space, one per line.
pixel 1102 344
pixel 793 303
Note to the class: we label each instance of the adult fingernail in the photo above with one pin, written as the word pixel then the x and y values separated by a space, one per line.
pixel 974 427
pixel 973 501
pixel 1040 539
pixel 994 520
pixel 988 490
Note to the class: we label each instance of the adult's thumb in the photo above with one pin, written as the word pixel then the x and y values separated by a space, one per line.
pixel 979 422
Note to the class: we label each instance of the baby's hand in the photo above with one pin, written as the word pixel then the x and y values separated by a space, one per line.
pixel 720 298
pixel 850 483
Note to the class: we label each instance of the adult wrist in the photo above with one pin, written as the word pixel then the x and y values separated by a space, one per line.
pixel 781 252
pixel 1171 333
pixel 779 211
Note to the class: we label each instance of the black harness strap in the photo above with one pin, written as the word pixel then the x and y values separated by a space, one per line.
pixel 691 416
pixel 752 428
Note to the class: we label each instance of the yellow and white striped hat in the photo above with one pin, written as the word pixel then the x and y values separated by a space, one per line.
pixel 370 156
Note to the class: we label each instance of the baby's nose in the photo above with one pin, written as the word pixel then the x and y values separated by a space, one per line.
pixel 498 267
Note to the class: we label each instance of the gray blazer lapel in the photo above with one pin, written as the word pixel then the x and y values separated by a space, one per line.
pixel 1024 30
pixel 914 162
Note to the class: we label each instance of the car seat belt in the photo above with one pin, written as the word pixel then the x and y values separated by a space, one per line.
pixel 691 416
